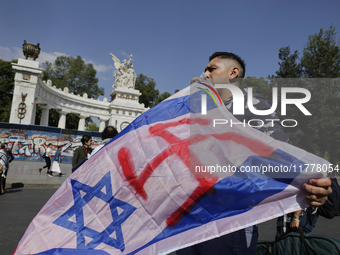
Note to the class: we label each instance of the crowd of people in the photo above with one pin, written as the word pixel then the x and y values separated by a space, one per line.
pixel 52 164
pixel 80 155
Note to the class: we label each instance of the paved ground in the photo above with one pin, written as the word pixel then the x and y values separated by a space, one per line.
pixel 18 206
pixel 26 173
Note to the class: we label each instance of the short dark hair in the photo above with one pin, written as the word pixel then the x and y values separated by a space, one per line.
pixel 109 132
pixel 85 139
pixel 49 144
pixel 3 146
pixel 229 55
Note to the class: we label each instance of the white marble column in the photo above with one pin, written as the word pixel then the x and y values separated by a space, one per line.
pixel 34 112
pixel 27 73
pixel 62 119
pixel 102 124
pixel 44 115
pixel 81 124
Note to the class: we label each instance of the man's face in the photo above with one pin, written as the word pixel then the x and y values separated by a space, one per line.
pixel 217 69
pixel 89 142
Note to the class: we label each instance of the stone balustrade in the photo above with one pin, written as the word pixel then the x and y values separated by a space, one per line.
pixel 122 110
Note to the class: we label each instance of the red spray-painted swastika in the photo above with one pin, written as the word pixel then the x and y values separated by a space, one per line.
pixel 180 147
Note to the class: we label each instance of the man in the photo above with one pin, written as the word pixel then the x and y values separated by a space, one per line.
pixel 228 68
pixel 10 159
pixel 4 163
pixel 48 160
pixel 82 153
pixel 108 133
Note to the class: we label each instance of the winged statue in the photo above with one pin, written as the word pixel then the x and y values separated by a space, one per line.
pixel 125 77
pixel 116 60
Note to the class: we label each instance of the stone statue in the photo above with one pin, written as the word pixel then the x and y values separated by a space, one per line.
pixel 126 76
pixel 31 50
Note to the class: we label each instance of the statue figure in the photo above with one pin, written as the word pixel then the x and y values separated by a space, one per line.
pixel 126 76
pixel 131 81
pixel 31 50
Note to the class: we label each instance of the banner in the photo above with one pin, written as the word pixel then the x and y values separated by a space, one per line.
pixel 171 179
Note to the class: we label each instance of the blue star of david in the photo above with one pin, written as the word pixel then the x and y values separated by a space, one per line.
pixel 77 210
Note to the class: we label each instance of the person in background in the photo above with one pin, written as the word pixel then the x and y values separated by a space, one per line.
pixel 57 158
pixel 9 153
pixel 10 159
pixel 48 159
pixel 82 152
pixel 108 133
pixel 4 162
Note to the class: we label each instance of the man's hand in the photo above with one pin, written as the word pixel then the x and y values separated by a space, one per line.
pixel 193 80
pixel 295 224
pixel 316 191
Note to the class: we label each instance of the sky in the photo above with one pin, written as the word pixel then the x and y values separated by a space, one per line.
pixel 170 41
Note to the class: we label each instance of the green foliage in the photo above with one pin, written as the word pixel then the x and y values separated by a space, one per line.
pixel 289 67
pixel 259 85
pixel 92 127
pixel 6 89
pixel 162 97
pixel 75 74
pixel 321 56
pixel 78 76
pixel 321 59
pixel 147 86
pixel 150 95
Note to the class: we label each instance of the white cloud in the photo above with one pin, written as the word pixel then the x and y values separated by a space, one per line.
pixel 15 53
pixel 8 54
pixel 99 68
pixel 126 55
pixel 50 57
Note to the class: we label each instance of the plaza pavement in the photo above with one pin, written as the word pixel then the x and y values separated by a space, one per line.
pixel 26 173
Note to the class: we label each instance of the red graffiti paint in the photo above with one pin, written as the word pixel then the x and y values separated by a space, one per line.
pixel 181 147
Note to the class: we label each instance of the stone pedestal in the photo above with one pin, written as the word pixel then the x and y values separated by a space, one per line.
pixel 124 107
pixel 26 77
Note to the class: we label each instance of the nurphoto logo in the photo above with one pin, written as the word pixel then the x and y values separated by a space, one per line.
pixel 239 105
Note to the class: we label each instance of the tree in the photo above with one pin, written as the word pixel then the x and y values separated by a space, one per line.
pixel 91 127
pixel 78 76
pixel 6 89
pixel 259 85
pixel 321 59
pixel 146 86
pixel 162 97
pixel 289 67
pixel 75 74
pixel 150 95
pixel 321 56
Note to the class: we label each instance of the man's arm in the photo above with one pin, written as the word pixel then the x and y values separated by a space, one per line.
pixel 75 157
pixel 10 156
pixel 296 220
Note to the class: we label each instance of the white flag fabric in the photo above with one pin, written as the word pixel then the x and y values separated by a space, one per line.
pixel 169 180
